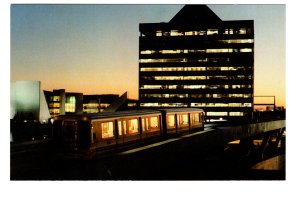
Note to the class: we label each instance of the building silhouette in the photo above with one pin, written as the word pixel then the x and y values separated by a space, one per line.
pixel 198 60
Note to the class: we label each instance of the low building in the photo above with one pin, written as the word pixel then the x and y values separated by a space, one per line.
pixel 98 103
pixel 61 102
pixel 27 102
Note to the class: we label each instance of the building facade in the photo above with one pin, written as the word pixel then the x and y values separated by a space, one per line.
pixel 98 103
pixel 198 60
pixel 27 101
pixel 61 102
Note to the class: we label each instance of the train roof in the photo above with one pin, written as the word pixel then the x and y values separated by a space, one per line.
pixel 104 115
pixel 176 110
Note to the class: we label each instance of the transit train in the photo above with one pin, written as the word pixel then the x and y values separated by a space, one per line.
pixel 86 134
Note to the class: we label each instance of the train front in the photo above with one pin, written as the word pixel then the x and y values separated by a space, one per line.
pixel 71 134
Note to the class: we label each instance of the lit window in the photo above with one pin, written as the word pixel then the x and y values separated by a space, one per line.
pixel 195 119
pixel 236 113
pixel 107 129
pixel 247 104
pixel 122 127
pixel 189 33
pixel 198 104
pixel 133 126
pixel 246 50
pixel 183 119
pixel 149 104
pixel 147 52
pixel 219 50
pixel 158 33
pixel 171 120
pixel 216 113
pixel 242 31
pixel 238 41
pixel 70 104
pixel 212 31
pixel 154 124
pixel 176 33
pixel 170 51
pixel 55 98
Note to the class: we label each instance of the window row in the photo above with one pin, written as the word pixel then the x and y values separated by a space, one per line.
pixel 225 114
pixel 194 86
pixel 154 69
pixel 239 31
pixel 204 60
pixel 130 127
pixel 221 104
pixel 196 105
pixel 196 95
pixel 180 51
pixel 220 60
pixel 55 98
pixel 164 105
pixel 216 77
pixel 126 127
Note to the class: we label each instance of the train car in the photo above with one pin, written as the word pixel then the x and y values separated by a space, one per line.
pixel 181 121
pixel 84 135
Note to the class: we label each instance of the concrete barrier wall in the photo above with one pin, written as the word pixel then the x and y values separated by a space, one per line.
pixel 208 140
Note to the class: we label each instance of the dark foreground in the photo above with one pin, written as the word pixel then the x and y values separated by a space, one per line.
pixel 39 162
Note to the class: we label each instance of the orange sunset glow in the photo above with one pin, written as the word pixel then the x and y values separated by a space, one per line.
pixel 93 49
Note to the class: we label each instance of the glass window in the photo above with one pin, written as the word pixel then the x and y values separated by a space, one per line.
pixel 70 104
pixel 242 31
pixel 212 31
pixel 176 33
pixel 246 50
pixel 158 33
pixel 55 98
pixel 154 122
pixel 147 52
pixel 150 123
pixel 171 121
pixel 120 127
pixel 133 127
pixel 236 113
pixel 195 119
pixel 107 129
pixel 216 113
pixel 183 119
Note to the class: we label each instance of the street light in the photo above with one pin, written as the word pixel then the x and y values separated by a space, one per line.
pixel 51 120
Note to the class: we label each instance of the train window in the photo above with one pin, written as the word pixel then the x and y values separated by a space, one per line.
pixel 183 119
pixel 107 129
pixel 133 126
pixel 154 122
pixel 145 125
pixel 150 124
pixel 96 131
pixel 171 121
pixel 195 119
pixel 120 127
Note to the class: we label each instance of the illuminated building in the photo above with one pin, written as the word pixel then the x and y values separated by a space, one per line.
pixel 198 60
pixel 98 103
pixel 61 102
